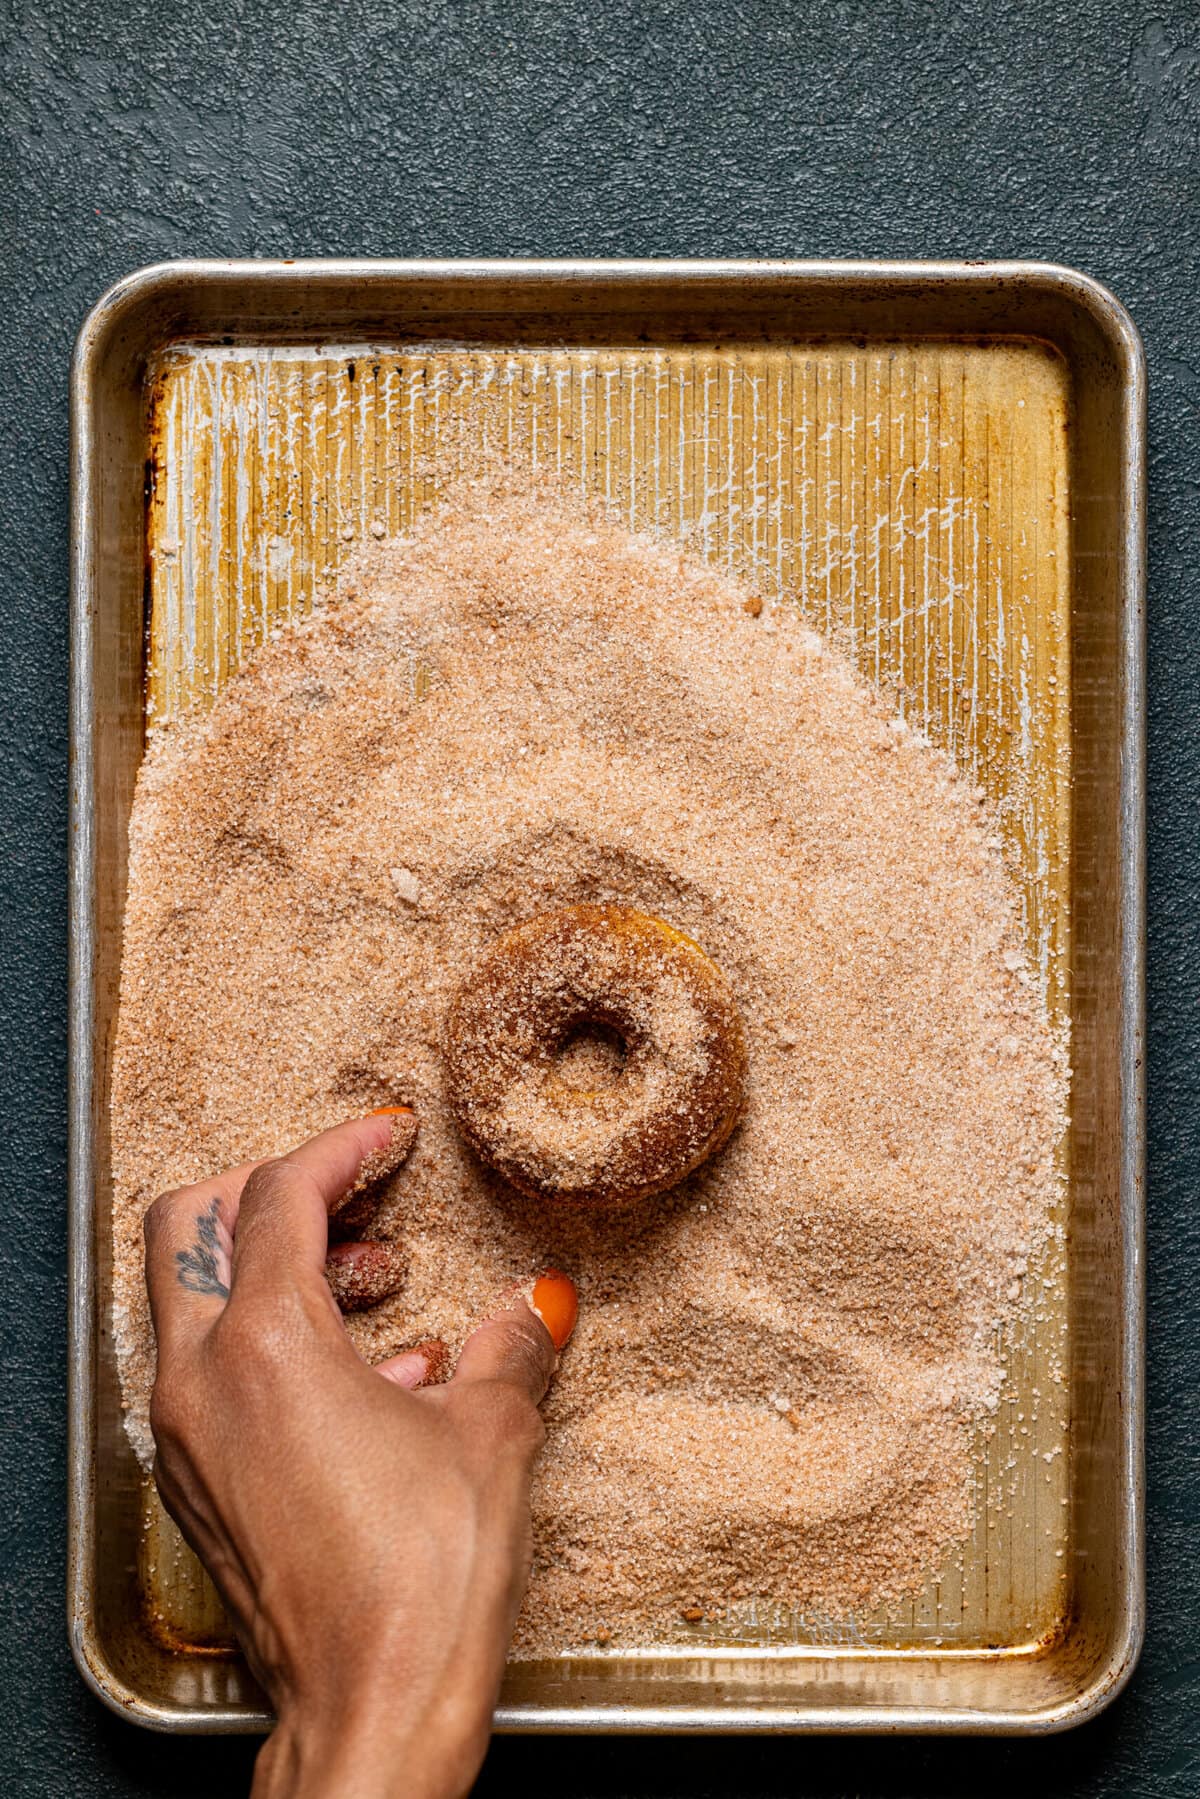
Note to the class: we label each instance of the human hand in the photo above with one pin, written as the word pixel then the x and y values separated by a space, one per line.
pixel 370 1540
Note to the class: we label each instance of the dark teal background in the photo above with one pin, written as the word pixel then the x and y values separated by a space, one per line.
pixel 133 132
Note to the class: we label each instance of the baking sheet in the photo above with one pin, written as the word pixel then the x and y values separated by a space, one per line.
pixel 912 491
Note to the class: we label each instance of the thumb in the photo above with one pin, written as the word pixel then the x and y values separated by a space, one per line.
pixel 519 1345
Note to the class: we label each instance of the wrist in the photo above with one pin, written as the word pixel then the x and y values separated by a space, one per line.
pixel 371 1755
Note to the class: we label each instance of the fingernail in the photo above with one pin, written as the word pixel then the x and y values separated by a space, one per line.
pixel 404 1124
pixel 400 1116
pixel 556 1303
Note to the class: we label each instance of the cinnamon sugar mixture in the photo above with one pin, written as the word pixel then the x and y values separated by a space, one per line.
pixel 778 1367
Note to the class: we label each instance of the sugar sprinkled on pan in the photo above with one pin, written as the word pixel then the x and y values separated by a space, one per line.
pixel 778 1367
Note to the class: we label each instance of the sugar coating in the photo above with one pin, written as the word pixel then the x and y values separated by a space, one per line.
pixel 598 1137
pixel 778 1366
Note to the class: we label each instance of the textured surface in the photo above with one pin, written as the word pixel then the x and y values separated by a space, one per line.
pixel 911 499
pixel 1067 131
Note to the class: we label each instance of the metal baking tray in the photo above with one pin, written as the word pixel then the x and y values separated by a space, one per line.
pixel 943 464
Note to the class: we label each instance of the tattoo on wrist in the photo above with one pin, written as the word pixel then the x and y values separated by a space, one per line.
pixel 198 1268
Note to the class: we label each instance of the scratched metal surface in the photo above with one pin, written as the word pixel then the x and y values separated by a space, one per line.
pixel 912 499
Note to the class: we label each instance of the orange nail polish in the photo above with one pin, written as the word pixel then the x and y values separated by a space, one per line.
pixel 556 1303
pixel 404 1125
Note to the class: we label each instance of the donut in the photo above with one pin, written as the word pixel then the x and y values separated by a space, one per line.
pixel 679 1087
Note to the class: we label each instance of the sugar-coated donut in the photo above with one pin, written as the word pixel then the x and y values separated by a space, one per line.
pixel 676 1097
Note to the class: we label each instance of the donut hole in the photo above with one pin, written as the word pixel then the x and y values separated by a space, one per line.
pixel 591 1057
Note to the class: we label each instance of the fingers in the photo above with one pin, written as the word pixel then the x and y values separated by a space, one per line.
pixel 271 1216
pixel 334 1159
pixel 489 1354
pixel 422 1366
pixel 517 1347
pixel 365 1273
pixel 283 1219
pixel 556 1303
pixel 189 1240
pixel 353 1215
